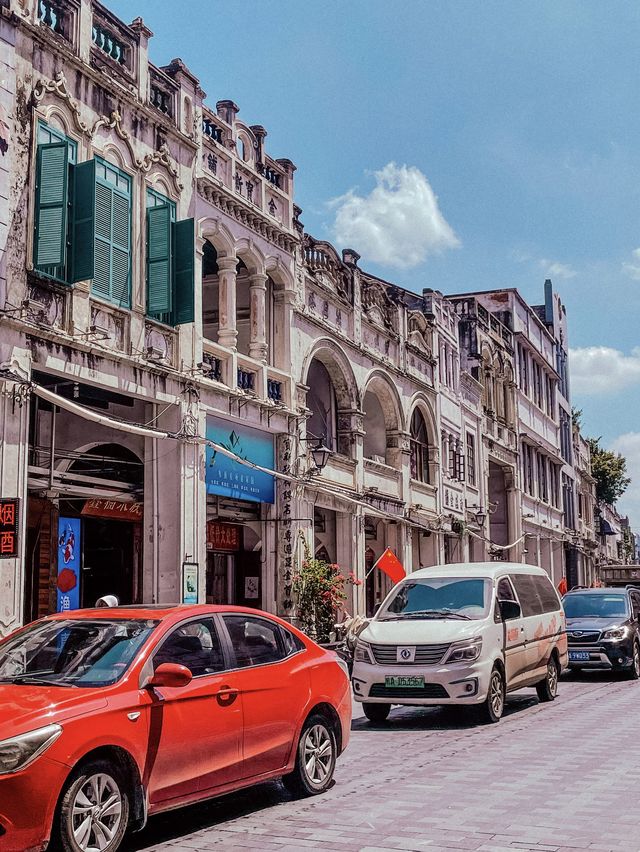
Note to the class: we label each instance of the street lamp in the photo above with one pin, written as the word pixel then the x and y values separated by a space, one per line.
pixel 479 514
pixel 320 455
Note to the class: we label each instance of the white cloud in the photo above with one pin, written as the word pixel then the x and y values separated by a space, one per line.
pixel 629 504
pixel 602 370
pixel 553 269
pixel 633 269
pixel 398 224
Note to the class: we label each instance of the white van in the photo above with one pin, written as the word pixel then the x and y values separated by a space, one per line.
pixel 462 634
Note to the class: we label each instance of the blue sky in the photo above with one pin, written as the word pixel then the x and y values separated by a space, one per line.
pixel 489 144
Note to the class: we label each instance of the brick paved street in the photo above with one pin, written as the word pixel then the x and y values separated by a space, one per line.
pixel 547 778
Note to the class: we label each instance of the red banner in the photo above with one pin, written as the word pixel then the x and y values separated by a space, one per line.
pixel 222 536
pixel 116 509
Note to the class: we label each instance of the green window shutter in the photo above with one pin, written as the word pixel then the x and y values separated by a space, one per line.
pixel 101 285
pixel 183 270
pixel 121 249
pixel 52 176
pixel 82 240
pixel 159 259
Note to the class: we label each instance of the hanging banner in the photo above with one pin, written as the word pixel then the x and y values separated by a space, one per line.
pixel 9 528
pixel 230 478
pixel 69 558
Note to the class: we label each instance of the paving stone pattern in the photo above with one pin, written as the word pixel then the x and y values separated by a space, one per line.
pixel 550 778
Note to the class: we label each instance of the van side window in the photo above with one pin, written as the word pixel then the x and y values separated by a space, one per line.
pixel 635 604
pixel 527 594
pixel 505 590
pixel 547 594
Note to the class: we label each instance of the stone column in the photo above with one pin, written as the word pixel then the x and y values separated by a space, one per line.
pixel 258 339
pixel 227 331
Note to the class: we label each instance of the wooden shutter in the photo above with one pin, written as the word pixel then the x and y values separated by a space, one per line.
pixel 159 272
pixel 183 271
pixel 101 285
pixel 120 249
pixel 83 227
pixel 52 176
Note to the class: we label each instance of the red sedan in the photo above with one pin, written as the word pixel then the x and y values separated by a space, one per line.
pixel 110 715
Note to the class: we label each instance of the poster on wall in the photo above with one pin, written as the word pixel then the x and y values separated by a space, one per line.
pixel 190 583
pixel 69 558
pixel 230 478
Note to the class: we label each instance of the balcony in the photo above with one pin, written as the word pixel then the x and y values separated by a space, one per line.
pixel 109 43
pixel 246 380
pixel 382 479
pixel 53 15
pixel 162 91
pixel 210 127
pixel 217 362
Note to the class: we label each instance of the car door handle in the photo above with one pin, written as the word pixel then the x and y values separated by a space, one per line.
pixel 226 691
pixel 226 695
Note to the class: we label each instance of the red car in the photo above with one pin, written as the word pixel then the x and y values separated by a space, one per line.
pixel 110 715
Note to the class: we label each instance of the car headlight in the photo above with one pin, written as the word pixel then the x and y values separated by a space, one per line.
pixel 464 652
pixel 363 652
pixel 616 633
pixel 20 751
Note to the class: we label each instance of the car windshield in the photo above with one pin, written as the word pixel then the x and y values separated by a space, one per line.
pixel 595 605
pixel 80 652
pixel 438 597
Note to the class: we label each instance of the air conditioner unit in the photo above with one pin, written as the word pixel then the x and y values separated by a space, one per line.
pixel 378 459
pixel 153 353
pixel 99 331
pixel 34 306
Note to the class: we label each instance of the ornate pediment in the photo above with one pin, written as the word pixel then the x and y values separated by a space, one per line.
pixel 378 307
pixel 420 333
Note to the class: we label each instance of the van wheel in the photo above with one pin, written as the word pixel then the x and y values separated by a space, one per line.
pixel 315 759
pixel 547 689
pixel 94 810
pixel 492 708
pixel 376 712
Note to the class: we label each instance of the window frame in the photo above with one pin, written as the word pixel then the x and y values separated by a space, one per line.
pixel 279 630
pixel 55 135
pixel 103 164
pixel 420 450
pixel 149 667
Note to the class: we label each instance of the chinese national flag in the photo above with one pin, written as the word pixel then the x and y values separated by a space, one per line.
pixel 391 565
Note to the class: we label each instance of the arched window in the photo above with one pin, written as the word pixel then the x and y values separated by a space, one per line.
pixel 375 439
pixel 419 447
pixel 321 399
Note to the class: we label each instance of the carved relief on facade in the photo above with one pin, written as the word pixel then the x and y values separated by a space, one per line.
pixel 159 342
pixel 420 333
pixel 45 305
pixel 378 307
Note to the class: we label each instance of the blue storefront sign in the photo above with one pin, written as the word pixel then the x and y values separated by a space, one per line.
pixel 230 478
pixel 69 558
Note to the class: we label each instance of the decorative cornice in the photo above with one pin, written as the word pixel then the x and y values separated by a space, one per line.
pixel 253 219
pixel 114 122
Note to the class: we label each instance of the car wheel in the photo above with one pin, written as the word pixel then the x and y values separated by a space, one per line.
pixel 634 671
pixel 94 810
pixel 376 712
pixel 547 689
pixel 492 708
pixel 315 759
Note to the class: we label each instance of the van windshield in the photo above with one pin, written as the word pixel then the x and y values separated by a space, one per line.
pixel 439 597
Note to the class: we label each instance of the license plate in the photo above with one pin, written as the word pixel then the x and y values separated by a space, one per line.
pixel 411 681
pixel 578 656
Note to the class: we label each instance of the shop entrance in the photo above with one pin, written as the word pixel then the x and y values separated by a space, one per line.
pixel 233 574
pixel 108 560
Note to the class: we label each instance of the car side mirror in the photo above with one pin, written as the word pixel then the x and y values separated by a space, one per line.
pixel 170 674
pixel 509 610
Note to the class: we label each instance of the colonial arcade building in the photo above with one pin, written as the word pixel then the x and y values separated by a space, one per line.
pixel 194 392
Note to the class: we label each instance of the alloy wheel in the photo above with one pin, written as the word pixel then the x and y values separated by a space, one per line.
pixel 317 754
pixel 96 812
pixel 636 659
pixel 496 694
pixel 552 678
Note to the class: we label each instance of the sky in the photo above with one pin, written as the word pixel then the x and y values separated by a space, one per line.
pixel 455 145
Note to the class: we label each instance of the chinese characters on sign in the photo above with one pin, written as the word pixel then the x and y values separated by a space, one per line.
pixel 9 528
pixel 114 509
pixel 230 478
pixel 286 538
pixel 222 536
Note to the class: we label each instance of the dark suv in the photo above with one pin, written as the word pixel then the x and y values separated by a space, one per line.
pixel 603 629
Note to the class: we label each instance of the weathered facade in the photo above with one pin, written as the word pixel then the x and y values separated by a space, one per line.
pixel 174 349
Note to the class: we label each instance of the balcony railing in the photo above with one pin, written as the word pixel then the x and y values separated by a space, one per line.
pixel 274 390
pixel 51 15
pixel 109 43
pixel 246 380
pixel 211 129
pixel 270 174
pixel 212 366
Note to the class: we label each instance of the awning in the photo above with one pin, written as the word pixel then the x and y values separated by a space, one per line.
pixel 607 528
